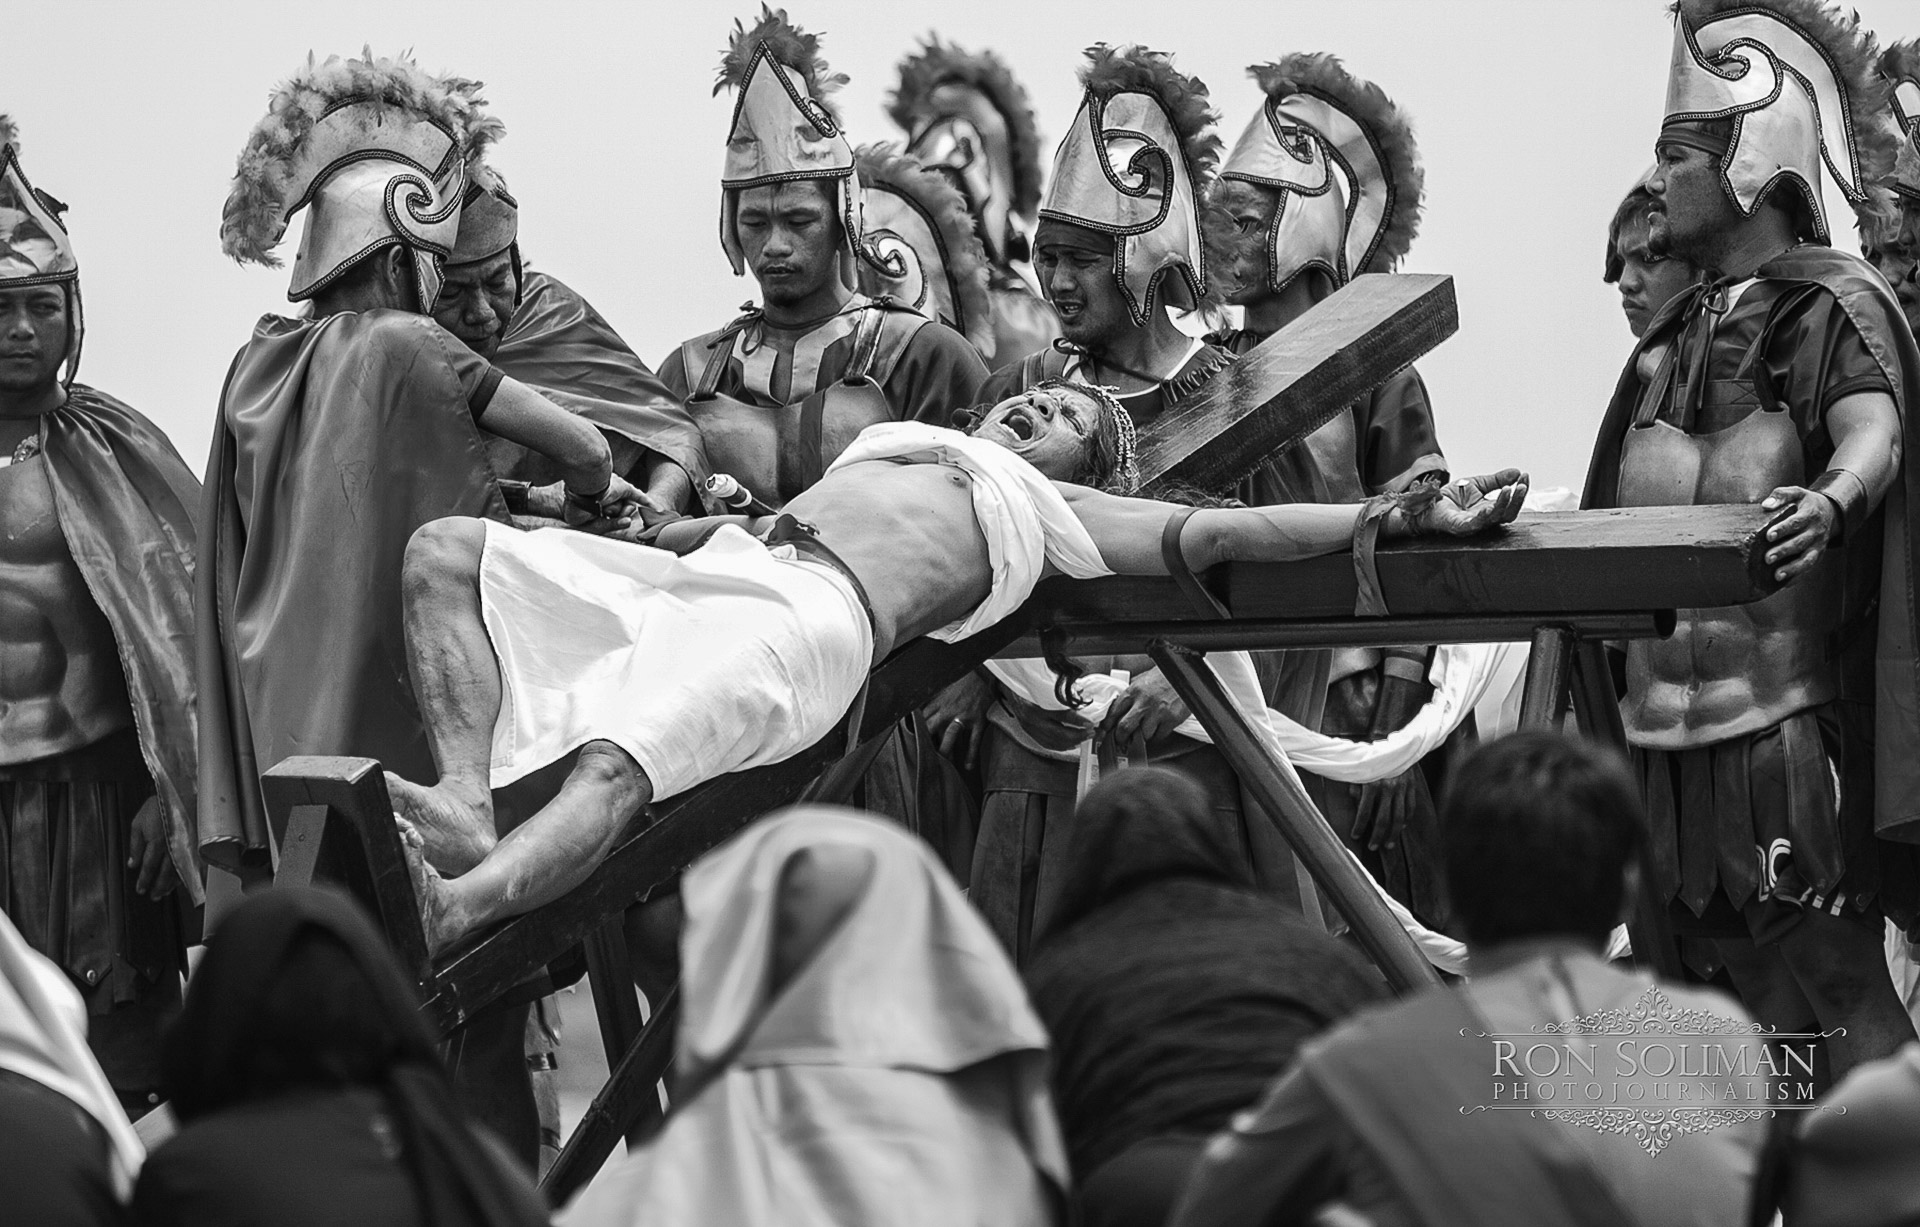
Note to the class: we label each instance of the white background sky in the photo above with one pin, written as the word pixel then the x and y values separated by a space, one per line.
pixel 1534 116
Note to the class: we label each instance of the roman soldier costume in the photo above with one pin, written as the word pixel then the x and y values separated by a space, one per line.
pixel 562 348
pixel 1339 161
pixel 1777 740
pixel 776 405
pixel 925 251
pixel 97 698
pixel 337 437
pixel 1133 165
pixel 964 114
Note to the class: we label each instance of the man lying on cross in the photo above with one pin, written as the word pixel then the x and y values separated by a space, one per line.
pixel 666 667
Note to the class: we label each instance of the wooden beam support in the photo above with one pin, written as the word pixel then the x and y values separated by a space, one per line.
pixel 626 1104
pixel 1295 381
pixel 1547 563
pixel 1543 698
pixel 1267 634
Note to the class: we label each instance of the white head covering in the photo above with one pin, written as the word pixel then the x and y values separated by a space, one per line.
pixel 899 1076
pixel 43 1036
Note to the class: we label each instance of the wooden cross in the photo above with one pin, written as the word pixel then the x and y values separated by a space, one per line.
pixel 1296 380
pixel 332 816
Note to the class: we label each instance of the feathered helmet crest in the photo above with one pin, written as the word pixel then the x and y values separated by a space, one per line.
pixel 922 247
pixel 34 247
pixel 1133 167
pixel 375 150
pixel 489 214
pixel 784 127
pixel 1900 68
pixel 1000 175
pixel 1342 158
pixel 1775 88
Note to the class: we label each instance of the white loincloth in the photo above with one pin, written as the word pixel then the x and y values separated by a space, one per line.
pixel 728 658
pixel 1024 518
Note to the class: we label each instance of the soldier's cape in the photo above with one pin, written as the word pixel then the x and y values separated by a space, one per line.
pixel 562 348
pixel 1895 671
pixel 127 504
pixel 337 438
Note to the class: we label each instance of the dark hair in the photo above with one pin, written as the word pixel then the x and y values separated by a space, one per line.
pixel 1632 212
pixel 1539 829
pixel 319 1023
pixel 1137 827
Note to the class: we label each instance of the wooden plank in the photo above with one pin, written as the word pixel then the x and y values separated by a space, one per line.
pixel 1543 700
pixel 1270 634
pixel 1545 563
pixel 1294 382
pixel 360 847
pixel 626 1104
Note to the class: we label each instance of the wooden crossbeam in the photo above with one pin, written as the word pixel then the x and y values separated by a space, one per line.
pixel 1543 566
pixel 1295 381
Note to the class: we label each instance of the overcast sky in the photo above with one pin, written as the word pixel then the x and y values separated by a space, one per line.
pixel 1534 116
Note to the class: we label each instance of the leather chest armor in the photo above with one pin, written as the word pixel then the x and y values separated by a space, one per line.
pixel 1730 671
pixel 61 685
pixel 778 451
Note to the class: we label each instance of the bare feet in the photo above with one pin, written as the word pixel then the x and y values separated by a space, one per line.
pixel 429 890
pixel 457 832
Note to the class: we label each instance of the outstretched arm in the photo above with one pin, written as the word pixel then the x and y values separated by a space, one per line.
pixel 520 414
pixel 1127 530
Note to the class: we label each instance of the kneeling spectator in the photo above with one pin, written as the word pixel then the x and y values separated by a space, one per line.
pixel 1173 992
pixel 310 1092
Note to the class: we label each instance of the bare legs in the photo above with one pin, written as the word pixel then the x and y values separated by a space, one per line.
pixel 456 680
pixel 551 853
pixel 448 829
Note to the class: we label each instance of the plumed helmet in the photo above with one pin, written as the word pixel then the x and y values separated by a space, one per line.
pixel 1794 83
pixel 783 126
pixel 921 245
pixel 963 111
pixel 1132 166
pixel 1341 156
pixel 1900 68
pixel 374 150
pixel 34 247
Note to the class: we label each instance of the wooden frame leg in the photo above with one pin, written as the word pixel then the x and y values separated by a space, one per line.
pixel 339 828
pixel 1597 709
pixel 1543 703
pixel 616 1004
pixel 1287 804
pixel 623 1106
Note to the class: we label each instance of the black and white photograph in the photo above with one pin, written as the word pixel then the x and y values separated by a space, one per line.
pixel 1079 613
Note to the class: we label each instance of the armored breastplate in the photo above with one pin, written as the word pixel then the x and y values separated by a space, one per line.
pixel 778 451
pixel 1734 670
pixel 61 686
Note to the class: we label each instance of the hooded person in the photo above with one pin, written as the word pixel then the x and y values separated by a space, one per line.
pixel 97 822
pixel 1777 742
pixel 966 116
pixel 781 391
pixel 1325 185
pixel 1173 991
pixel 310 1093
pixel 340 432
pixel 854 1048
pixel 1893 246
pixel 1119 238
pixel 71 1155
pixel 534 327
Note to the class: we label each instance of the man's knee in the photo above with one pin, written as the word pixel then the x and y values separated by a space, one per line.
pixel 445 553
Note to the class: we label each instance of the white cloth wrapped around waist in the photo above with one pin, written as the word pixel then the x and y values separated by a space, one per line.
pixel 727 658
